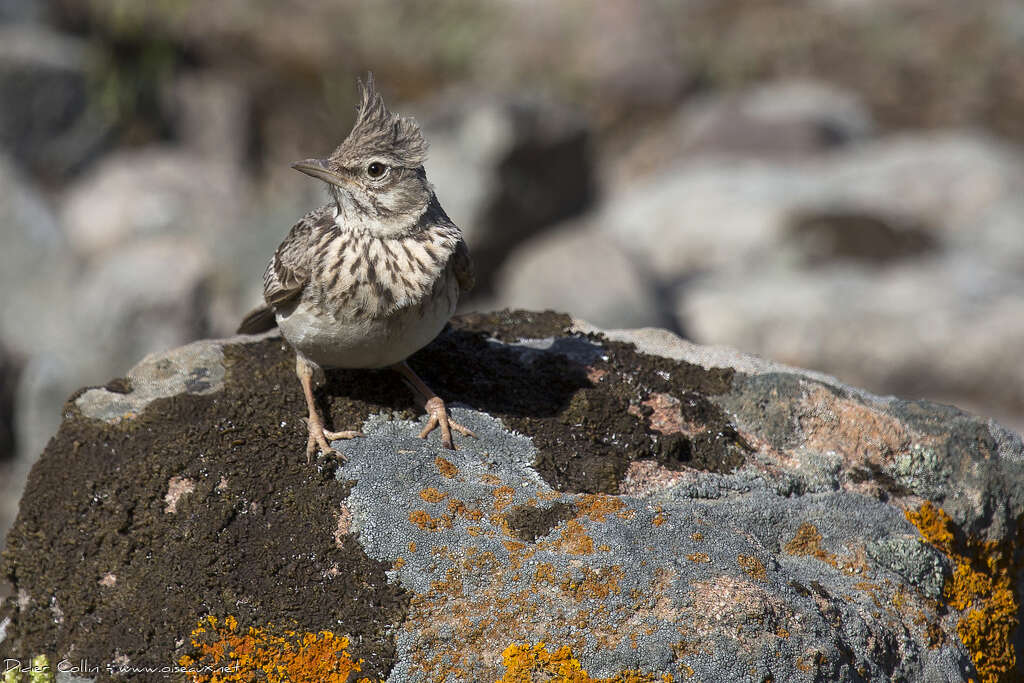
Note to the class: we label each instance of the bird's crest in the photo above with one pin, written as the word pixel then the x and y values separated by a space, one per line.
pixel 382 134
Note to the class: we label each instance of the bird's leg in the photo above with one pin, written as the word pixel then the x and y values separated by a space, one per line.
pixel 318 436
pixel 434 406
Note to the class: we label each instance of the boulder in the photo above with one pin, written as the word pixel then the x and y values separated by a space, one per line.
pixel 635 506
pixel 153 191
pixel 505 170
pixel 10 368
pixel 575 267
pixel 47 122
pixel 780 119
pixel 911 241
pixel 703 213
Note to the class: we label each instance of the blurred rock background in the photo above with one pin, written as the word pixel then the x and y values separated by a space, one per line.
pixel 837 185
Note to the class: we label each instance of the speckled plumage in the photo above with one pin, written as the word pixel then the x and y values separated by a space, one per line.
pixel 373 275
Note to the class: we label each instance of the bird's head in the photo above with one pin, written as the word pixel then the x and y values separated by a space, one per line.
pixel 376 175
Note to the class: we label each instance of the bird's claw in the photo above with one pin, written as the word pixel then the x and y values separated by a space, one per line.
pixel 439 418
pixel 320 437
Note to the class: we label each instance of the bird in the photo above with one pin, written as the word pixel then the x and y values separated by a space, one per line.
pixel 373 275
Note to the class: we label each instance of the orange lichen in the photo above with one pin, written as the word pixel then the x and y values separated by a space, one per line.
pixel 597 506
pixel 659 519
pixel 574 539
pixel 459 508
pixel 452 585
pixel 432 495
pixel 754 567
pixel 699 557
pixel 446 467
pixel 412 546
pixel 544 573
pixel 399 563
pixel 424 521
pixel 525 663
pixel 981 588
pixel 223 654
pixel 697 536
pixel 503 496
pixel 807 541
pixel 595 584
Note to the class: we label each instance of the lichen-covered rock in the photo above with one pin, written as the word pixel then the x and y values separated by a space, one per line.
pixel 636 508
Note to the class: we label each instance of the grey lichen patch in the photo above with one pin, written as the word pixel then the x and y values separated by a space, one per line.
pixel 920 469
pixel 692 579
pixel 197 368
pixel 919 563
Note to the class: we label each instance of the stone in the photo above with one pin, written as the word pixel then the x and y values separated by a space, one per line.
pixel 38 270
pixel 10 369
pixel 47 123
pixel 909 241
pixel 703 214
pixel 579 269
pixel 211 113
pixel 947 330
pixel 506 170
pixel 149 192
pixel 147 295
pixel 635 506
pixel 782 119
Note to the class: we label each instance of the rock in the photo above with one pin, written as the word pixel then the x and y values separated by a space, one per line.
pixel 635 506
pixel 211 113
pixel 38 272
pixel 951 331
pixel 148 295
pixel 35 267
pixel 10 368
pixel 506 170
pixel 25 11
pixel 46 122
pixel 910 239
pixel 703 214
pixel 153 191
pixel 579 269
pixel 785 119
pixel 788 117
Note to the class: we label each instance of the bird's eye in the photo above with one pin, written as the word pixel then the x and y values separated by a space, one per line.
pixel 376 169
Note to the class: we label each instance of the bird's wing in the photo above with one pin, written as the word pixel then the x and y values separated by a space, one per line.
pixel 462 264
pixel 291 265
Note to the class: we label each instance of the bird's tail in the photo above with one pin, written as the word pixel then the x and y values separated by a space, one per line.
pixel 259 319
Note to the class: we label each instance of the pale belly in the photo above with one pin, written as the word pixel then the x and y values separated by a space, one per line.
pixel 341 342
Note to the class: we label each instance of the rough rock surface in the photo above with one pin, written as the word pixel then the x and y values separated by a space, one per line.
pixel 636 506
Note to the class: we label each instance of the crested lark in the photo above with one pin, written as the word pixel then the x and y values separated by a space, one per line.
pixel 372 276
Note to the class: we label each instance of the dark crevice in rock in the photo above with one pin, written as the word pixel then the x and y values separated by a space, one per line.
pixel 119 385
pixel 530 523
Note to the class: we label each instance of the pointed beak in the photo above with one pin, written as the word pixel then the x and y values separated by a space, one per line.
pixel 318 169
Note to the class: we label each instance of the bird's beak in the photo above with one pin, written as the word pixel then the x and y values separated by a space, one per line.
pixel 318 169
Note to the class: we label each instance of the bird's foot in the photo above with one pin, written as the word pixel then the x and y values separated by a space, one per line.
pixel 320 437
pixel 439 418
